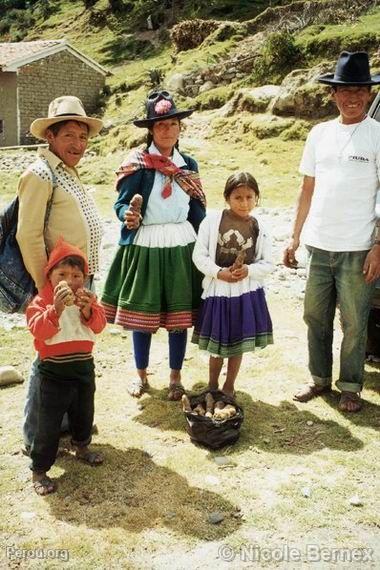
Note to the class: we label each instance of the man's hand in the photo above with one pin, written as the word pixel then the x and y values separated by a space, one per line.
pixel 289 258
pixel 371 267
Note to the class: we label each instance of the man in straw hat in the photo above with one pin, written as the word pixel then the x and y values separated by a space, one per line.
pixel 336 203
pixel 53 203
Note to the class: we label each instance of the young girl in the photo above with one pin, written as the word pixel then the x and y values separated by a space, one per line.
pixel 234 316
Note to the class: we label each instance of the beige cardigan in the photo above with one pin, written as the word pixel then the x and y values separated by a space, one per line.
pixel 73 215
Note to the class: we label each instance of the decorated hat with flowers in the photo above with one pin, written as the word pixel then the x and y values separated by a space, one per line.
pixel 160 106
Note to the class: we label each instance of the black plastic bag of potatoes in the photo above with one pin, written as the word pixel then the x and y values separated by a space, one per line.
pixel 211 432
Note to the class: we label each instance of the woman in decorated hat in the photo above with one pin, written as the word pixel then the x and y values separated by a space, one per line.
pixel 152 281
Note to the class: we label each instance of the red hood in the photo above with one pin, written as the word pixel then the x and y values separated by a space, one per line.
pixel 61 250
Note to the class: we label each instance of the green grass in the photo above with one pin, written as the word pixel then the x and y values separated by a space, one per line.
pixel 322 41
pixel 147 506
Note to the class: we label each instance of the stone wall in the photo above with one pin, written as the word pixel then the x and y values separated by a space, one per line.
pixel 56 75
pixel 221 73
pixel 8 109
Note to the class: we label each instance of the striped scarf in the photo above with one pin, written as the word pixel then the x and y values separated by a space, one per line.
pixel 188 180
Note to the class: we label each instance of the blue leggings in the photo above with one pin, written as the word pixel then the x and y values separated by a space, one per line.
pixel 177 348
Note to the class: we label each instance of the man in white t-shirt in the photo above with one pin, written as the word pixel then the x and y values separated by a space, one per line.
pixel 336 211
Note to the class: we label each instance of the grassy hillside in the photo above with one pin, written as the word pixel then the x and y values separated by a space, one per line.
pixel 269 148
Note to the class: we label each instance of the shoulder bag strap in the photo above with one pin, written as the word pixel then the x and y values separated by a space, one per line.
pixel 50 202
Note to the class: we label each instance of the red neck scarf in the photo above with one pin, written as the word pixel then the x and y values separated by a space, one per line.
pixel 188 180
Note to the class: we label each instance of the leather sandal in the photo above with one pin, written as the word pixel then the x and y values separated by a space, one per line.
pixel 137 387
pixel 309 392
pixel 176 391
pixel 350 402
pixel 44 486
pixel 90 457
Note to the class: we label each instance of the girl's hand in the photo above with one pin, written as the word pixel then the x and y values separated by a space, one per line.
pixel 226 274
pixel 84 300
pixel 132 219
pixel 241 273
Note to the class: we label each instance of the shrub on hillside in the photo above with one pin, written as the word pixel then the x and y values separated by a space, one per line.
pixel 190 34
pixel 135 14
pixel 227 30
pixel 17 35
pixel 20 18
pixel 276 58
pixel 5 25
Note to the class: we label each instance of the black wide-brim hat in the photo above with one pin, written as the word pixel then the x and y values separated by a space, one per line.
pixel 160 106
pixel 352 68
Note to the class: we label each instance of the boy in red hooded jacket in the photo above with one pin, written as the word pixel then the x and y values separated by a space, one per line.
pixel 64 318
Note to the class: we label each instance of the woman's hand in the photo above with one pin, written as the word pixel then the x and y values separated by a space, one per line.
pixel 132 219
pixel 84 299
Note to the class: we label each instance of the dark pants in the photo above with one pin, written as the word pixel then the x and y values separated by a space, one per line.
pixel 31 402
pixel 56 396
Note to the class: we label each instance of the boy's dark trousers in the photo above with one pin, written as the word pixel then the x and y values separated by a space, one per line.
pixel 57 396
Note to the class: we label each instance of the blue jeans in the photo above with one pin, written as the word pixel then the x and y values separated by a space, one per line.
pixel 337 278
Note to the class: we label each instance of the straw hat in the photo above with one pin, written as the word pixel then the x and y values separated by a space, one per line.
pixel 66 108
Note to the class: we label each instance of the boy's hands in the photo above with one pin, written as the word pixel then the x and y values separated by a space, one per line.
pixel 59 299
pixel 84 299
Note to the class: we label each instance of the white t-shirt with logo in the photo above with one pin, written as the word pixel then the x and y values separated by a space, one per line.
pixel 345 162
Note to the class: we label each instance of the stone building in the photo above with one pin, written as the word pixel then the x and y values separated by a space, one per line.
pixel 34 73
